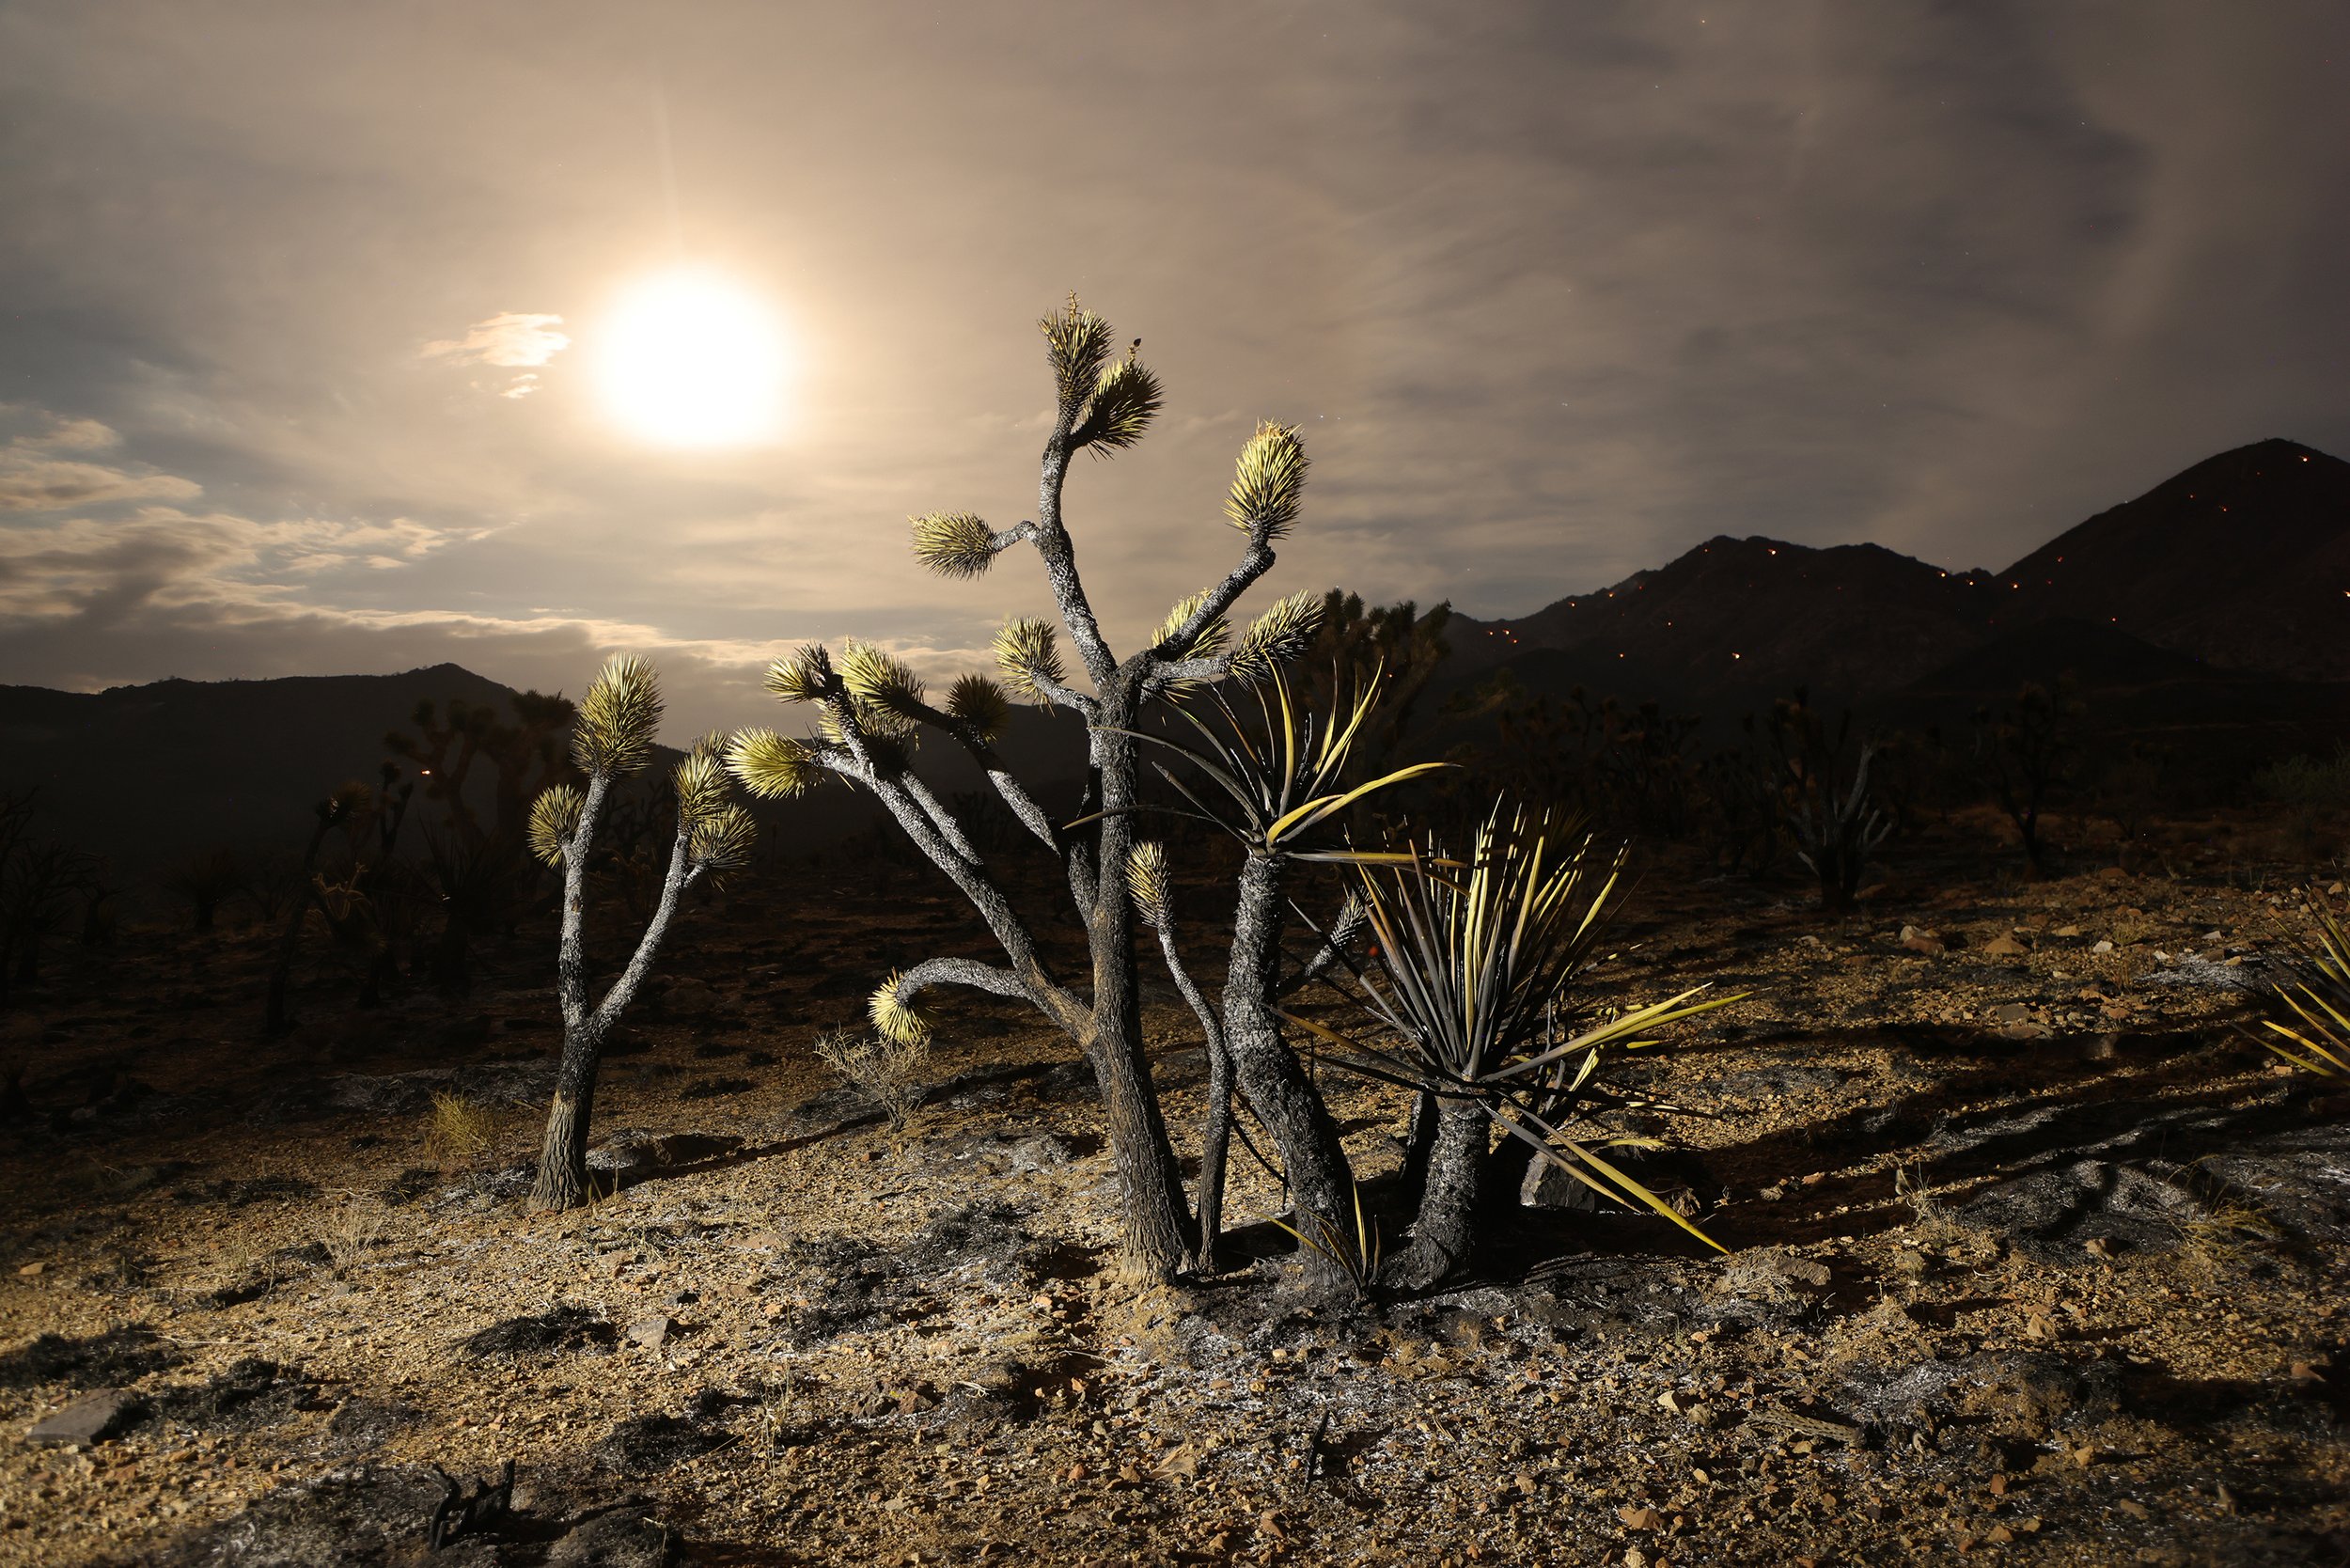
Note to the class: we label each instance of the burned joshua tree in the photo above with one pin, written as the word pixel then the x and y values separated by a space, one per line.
pixel 611 737
pixel 871 710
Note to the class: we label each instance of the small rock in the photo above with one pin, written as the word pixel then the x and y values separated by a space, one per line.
pixel 2113 874
pixel 1919 940
pixel 92 1420
pixel 32 1271
pixel 2011 1013
pixel 651 1332
pixel 2102 948
pixel 2004 947
pixel 2066 931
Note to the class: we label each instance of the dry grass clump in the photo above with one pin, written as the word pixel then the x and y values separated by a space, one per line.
pixel 458 1131
pixel 356 1230
pixel 886 1069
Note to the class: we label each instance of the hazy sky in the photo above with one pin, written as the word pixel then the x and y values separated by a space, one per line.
pixel 1556 290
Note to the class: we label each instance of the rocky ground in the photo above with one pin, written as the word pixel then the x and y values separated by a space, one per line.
pixel 2032 1257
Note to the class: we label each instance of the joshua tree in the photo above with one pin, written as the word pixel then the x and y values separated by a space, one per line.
pixel 526 756
pixel 613 736
pixel 871 709
pixel 2025 752
pixel 39 879
pixel 347 804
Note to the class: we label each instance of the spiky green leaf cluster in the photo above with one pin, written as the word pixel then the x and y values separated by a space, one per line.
pixel 554 818
pixel 1125 400
pixel 2311 1005
pixel 773 766
pixel 1027 651
pixel 1285 782
pixel 618 718
pixel 1077 346
pixel 1146 882
pixel 981 703
pixel 894 1018
pixel 880 680
pixel 721 840
pixel 1206 643
pixel 1276 637
pixel 701 778
pixel 805 677
pixel 1268 482
pixel 954 544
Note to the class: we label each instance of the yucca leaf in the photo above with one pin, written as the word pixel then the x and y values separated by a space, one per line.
pixel 1126 398
pixel 1268 482
pixel 1027 651
pixel 893 1017
pixel 773 766
pixel 1077 346
pixel 806 677
pixel 722 840
pixel 954 544
pixel 554 818
pixel 613 730
pixel 1146 882
pixel 981 703
pixel 880 680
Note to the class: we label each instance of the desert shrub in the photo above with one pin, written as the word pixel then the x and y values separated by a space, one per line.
pixel 887 1071
pixel 458 1131
pixel 2309 783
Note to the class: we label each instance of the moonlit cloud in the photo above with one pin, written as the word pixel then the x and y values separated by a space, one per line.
pixel 33 478
pixel 508 338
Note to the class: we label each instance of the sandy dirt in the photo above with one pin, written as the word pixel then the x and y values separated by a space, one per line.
pixel 2032 1257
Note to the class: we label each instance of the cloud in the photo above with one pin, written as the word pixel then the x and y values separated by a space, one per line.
pixel 509 338
pixel 33 478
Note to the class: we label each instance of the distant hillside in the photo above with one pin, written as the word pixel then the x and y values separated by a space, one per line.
pixel 150 774
pixel 2242 562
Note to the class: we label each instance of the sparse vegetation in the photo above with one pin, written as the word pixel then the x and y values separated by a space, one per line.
pixel 887 1071
pixel 459 1132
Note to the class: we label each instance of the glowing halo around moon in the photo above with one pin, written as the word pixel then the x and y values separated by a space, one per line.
pixel 689 357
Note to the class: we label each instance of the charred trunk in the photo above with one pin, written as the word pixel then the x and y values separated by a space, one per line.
pixel 1269 1072
pixel 1443 1236
pixel 562 1180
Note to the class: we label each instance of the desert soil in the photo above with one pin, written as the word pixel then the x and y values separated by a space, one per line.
pixel 2031 1256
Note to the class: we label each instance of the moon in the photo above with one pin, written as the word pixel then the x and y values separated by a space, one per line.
pixel 690 358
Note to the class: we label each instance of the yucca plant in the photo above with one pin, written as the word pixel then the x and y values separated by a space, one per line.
pixel 1472 982
pixel 612 736
pixel 2312 1028
pixel 871 710
pixel 1277 785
